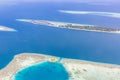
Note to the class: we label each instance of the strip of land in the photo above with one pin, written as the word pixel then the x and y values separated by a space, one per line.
pixel 77 69
pixel 74 26
pixel 4 28
pixel 105 14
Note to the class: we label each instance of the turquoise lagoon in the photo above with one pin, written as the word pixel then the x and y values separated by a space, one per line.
pixel 43 71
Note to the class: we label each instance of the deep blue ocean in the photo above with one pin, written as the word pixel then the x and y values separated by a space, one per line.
pixel 93 46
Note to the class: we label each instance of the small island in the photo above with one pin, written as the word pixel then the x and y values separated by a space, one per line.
pixel 71 26
pixel 76 69
pixel 4 28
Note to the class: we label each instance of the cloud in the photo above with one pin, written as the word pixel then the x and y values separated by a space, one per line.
pixel 106 14
pixel 4 28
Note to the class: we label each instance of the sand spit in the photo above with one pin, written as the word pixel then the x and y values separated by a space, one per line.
pixel 77 69
pixel 106 14
pixel 4 28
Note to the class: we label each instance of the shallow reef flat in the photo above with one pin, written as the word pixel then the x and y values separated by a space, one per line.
pixel 77 69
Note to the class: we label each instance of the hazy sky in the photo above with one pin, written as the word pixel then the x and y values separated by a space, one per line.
pixel 91 2
pixel 85 1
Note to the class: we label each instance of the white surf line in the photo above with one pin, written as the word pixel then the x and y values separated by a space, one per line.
pixel 107 14
pixel 4 28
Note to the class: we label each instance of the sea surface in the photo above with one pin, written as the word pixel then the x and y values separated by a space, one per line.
pixel 93 46
pixel 44 71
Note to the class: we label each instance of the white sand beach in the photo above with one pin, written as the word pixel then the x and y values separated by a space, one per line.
pixel 4 28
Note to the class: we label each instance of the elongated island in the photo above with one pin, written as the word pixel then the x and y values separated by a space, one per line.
pixel 71 25
pixel 77 69
pixel 4 28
